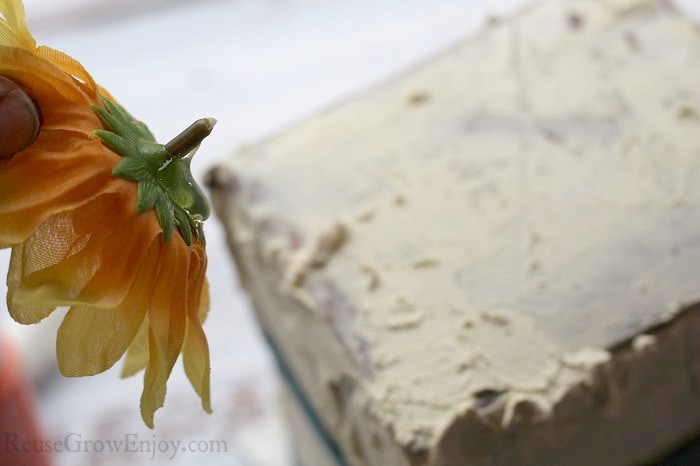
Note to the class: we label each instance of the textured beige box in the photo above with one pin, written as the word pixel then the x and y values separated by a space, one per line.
pixel 494 259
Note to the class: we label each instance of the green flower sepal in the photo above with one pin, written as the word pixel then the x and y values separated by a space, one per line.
pixel 164 178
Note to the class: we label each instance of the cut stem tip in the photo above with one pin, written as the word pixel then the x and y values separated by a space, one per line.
pixel 185 142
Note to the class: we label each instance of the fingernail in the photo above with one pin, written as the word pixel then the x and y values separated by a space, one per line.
pixel 19 118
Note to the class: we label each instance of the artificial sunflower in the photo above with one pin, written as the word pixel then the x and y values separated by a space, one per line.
pixel 104 220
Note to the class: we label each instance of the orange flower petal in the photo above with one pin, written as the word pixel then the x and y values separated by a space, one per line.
pixel 77 240
pixel 70 66
pixel 66 165
pixel 63 103
pixel 85 256
pixel 167 320
pixel 195 352
pixel 91 340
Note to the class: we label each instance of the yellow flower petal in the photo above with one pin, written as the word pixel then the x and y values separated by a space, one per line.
pixel 136 357
pixel 22 313
pixel 14 31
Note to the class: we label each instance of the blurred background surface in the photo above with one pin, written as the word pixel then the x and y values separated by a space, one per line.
pixel 258 66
